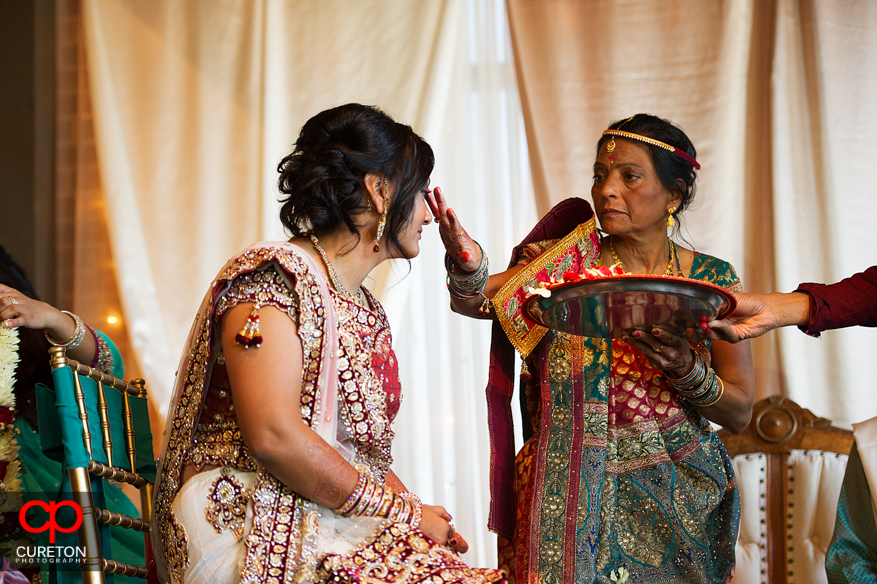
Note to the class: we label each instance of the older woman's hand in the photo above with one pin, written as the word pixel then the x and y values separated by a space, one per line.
pixel 463 249
pixel 664 350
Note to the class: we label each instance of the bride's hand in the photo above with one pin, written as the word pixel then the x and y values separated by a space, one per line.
pixel 462 248
pixel 434 525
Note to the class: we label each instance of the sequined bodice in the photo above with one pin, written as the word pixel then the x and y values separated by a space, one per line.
pixel 368 379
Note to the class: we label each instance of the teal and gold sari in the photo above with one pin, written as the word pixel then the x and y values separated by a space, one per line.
pixel 619 473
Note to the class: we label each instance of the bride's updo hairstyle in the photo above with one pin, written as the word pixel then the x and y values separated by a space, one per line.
pixel 323 179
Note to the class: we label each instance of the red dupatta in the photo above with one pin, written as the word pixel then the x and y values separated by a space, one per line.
pixel 562 220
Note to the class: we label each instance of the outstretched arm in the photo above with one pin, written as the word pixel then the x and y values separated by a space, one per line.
pixel 17 309
pixel 757 314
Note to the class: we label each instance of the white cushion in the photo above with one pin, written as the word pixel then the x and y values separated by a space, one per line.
pixel 751 471
pixel 815 479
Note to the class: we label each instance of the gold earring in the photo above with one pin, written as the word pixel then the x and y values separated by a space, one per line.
pixel 383 222
pixel 670 220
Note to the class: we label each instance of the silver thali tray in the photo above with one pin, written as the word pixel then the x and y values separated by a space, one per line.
pixel 611 306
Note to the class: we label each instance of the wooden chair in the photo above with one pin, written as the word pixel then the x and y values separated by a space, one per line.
pixel 91 406
pixel 790 465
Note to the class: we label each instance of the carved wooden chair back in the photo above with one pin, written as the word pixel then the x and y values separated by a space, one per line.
pixel 789 465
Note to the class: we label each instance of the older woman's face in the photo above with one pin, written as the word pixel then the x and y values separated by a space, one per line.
pixel 629 199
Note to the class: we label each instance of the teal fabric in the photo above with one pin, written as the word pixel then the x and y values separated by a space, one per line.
pixel 143 438
pixel 41 474
pixel 62 415
pixel 852 555
pixel 53 455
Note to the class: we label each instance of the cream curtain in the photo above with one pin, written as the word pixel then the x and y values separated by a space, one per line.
pixel 194 104
pixel 777 96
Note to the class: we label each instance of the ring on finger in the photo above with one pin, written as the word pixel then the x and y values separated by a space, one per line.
pixel 438 219
pixel 459 235
pixel 657 350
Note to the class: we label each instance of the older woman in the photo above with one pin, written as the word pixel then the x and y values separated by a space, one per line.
pixel 276 465
pixel 621 471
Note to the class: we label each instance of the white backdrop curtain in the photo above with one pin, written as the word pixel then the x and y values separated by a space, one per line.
pixel 777 96
pixel 195 103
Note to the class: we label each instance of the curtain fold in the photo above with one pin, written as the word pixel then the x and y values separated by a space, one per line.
pixel 196 102
pixel 773 95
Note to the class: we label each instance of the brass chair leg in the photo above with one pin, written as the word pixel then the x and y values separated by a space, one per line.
pixel 92 565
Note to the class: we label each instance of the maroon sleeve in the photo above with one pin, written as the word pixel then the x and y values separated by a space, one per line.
pixel 850 302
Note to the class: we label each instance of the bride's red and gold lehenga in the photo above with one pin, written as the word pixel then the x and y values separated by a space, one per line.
pixel 243 518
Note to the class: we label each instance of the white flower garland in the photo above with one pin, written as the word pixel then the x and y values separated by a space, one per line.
pixel 8 362
pixel 9 359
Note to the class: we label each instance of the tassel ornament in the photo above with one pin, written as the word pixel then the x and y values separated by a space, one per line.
pixel 250 334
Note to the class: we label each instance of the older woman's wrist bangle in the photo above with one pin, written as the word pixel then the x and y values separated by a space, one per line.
pixel 707 392
pixel 77 337
pixel 465 286
pixel 715 398
pixel 693 379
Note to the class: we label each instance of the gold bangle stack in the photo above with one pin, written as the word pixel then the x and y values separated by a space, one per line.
pixel 372 499
pixel 700 387
pixel 77 337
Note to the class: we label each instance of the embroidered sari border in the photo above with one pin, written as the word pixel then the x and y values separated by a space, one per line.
pixel 634 429
pixel 614 467
pixel 526 343
pixel 685 451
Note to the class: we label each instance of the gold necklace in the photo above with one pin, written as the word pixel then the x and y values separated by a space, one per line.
pixel 667 272
pixel 333 276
